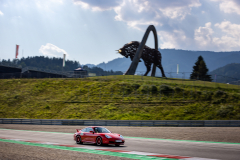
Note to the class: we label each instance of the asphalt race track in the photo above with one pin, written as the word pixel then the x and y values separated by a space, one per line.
pixel 140 146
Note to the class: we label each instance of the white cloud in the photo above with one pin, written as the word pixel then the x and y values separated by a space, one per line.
pixel 173 39
pixel 227 39
pixel 99 5
pixel 229 28
pixel 139 12
pixel 203 35
pixel 231 38
pixel 1 13
pixel 177 9
pixel 52 50
pixel 229 6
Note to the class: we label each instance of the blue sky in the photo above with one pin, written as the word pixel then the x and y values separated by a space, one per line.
pixel 90 31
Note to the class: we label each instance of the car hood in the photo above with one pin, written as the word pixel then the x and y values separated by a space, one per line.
pixel 113 135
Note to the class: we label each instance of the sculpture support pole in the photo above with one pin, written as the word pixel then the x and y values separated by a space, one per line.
pixel 134 64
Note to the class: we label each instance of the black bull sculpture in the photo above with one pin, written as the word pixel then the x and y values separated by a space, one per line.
pixel 149 56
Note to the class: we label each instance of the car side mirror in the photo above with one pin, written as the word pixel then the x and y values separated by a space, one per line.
pixel 91 132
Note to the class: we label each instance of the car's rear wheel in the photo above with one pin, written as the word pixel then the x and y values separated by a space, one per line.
pixel 98 141
pixel 79 140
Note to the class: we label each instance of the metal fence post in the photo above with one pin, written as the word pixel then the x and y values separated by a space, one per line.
pixel 135 94
pixel 148 94
pixel 123 94
pixel 88 94
pixel 183 92
pixel 215 81
pixel 160 93
pixel 100 95
pixel 80 95
pixel 111 94
pixel 192 92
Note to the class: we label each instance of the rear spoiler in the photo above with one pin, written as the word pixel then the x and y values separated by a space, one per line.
pixel 78 130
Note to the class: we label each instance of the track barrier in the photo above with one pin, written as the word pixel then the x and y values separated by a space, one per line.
pixel 136 123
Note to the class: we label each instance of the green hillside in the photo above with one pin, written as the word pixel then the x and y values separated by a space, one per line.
pixel 119 98
pixel 229 73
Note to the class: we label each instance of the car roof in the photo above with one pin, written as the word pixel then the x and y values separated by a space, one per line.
pixel 95 126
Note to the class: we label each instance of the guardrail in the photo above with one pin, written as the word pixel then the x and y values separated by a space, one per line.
pixel 137 123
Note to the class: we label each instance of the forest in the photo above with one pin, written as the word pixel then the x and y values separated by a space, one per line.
pixel 56 64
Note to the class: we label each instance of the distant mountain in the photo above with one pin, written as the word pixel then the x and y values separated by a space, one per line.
pixel 172 57
pixel 89 65
pixel 119 64
pixel 227 74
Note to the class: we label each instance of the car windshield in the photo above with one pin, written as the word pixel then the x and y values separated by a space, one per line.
pixel 101 130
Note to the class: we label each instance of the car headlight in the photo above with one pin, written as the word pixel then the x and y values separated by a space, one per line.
pixel 107 136
pixel 121 136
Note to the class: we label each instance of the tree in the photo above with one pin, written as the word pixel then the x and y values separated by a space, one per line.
pixel 200 70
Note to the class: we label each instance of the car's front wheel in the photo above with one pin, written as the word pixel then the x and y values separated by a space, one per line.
pixel 79 140
pixel 98 141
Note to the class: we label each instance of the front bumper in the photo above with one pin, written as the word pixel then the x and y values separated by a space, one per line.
pixel 113 141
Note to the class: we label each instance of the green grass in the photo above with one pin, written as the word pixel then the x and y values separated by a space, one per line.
pixel 119 98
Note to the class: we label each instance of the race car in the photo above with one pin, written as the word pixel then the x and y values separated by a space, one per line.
pixel 98 136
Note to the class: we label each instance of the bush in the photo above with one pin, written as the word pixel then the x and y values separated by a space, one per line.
pixel 219 93
pixel 148 89
pixel 178 89
pixel 198 92
pixel 153 89
pixel 225 111
pixel 144 89
pixel 219 101
pixel 207 95
pixel 136 86
pixel 165 89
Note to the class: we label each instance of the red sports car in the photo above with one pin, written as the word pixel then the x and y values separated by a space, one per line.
pixel 98 136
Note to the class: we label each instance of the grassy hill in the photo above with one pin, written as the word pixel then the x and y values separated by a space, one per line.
pixel 229 73
pixel 118 97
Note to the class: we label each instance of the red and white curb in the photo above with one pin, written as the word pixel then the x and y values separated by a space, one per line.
pixel 115 150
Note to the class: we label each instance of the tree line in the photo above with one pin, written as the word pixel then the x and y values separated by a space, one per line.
pixel 56 64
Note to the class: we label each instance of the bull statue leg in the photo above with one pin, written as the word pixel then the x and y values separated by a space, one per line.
pixel 161 68
pixel 148 65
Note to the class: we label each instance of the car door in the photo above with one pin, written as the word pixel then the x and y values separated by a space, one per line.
pixel 83 134
pixel 88 135
pixel 91 136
